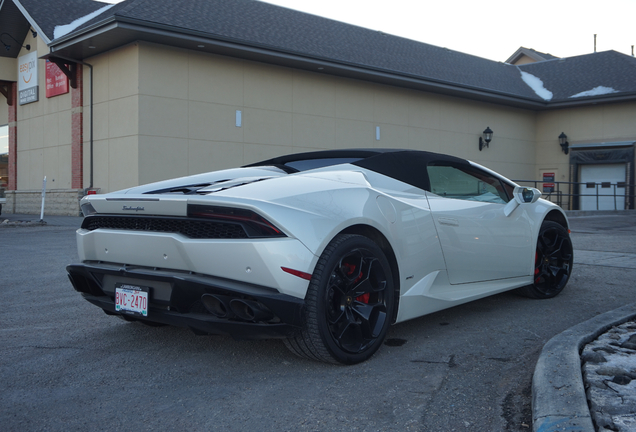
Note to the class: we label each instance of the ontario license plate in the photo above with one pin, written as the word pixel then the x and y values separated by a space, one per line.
pixel 131 299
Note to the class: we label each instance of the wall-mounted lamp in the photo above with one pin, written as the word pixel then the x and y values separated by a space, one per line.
pixel 34 33
pixel 8 47
pixel 563 141
pixel 487 137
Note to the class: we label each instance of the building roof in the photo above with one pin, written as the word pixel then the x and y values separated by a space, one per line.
pixel 586 77
pixel 19 15
pixel 531 53
pixel 264 32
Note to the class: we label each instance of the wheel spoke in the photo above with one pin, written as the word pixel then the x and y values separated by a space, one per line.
pixel 335 300
pixel 371 317
pixel 553 260
pixel 356 306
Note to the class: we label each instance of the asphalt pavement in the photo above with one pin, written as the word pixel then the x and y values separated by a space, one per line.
pixel 585 377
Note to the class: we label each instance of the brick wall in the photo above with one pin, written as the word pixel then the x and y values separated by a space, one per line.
pixel 77 132
pixel 58 202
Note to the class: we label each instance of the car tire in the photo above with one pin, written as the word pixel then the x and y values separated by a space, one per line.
pixel 553 262
pixel 349 303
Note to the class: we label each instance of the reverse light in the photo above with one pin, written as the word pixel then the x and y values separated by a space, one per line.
pixel 254 224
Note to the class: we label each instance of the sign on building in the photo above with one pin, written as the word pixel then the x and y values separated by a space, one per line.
pixel 56 81
pixel 28 78
pixel 548 178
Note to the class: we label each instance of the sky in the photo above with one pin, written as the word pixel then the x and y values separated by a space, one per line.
pixel 492 29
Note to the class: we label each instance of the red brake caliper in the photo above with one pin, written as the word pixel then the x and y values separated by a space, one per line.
pixel 364 298
pixel 536 266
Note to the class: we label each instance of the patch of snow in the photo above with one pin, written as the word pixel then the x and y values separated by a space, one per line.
pixel 63 30
pixel 596 91
pixel 536 85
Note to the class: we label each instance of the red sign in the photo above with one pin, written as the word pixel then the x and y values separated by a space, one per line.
pixel 548 177
pixel 56 81
pixel 548 187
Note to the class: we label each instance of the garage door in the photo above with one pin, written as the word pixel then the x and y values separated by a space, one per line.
pixel 604 179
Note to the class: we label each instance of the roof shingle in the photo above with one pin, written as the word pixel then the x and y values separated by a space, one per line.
pixel 273 28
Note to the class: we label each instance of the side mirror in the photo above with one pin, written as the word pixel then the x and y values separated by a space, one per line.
pixel 526 195
pixel 521 195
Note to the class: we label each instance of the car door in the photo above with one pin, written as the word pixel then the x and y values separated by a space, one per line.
pixel 478 241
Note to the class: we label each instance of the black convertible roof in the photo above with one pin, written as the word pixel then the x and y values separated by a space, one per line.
pixel 408 166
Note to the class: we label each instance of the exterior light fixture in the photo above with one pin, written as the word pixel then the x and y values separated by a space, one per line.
pixel 487 137
pixel 34 33
pixel 8 47
pixel 563 142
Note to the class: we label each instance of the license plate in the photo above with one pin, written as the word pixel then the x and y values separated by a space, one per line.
pixel 131 299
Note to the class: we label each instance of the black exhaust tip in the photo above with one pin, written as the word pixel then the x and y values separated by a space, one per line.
pixel 249 310
pixel 217 305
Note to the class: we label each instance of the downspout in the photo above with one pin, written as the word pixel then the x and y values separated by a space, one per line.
pixel 91 107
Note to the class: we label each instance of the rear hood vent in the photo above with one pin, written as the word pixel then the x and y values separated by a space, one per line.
pixel 207 188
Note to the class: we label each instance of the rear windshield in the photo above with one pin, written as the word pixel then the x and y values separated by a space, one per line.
pixel 308 164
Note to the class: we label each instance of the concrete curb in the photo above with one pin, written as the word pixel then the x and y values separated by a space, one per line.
pixel 19 223
pixel 579 213
pixel 559 400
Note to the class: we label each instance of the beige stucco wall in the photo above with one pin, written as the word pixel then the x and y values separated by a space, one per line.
pixel 598 123
pixel 524 59
pixel 583 125
pixel 44 134
pixel 115 119
pixel 8 69
pixel 187 117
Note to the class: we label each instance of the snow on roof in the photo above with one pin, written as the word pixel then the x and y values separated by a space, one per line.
pixel 536 85
pixel 596 91
pixel 62 30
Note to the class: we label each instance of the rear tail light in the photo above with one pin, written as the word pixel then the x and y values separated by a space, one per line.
pixel 254 224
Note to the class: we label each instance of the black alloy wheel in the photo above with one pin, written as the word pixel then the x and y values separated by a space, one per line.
pixel 349 303
pixel 553 262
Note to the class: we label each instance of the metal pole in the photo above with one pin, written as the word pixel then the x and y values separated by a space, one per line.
pixel 597 197
pixel 614 197
pixel 43 199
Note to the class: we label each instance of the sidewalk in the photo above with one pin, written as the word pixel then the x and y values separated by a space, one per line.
pixel 24 219
pixel 559 397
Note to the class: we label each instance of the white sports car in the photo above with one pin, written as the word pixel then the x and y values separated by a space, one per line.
pixel 323 249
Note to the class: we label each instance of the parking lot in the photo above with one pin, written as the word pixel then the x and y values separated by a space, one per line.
pixel 65 365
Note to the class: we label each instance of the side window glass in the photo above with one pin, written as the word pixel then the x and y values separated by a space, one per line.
pixel 466 183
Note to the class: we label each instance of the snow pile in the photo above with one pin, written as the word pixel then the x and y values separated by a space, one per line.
pixel 596 91
pixel 536 85
pixel 63 30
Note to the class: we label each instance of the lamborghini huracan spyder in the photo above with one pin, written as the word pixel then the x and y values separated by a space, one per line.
pixel 323 249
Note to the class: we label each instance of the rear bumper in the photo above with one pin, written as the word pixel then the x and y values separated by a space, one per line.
pixel 175 299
